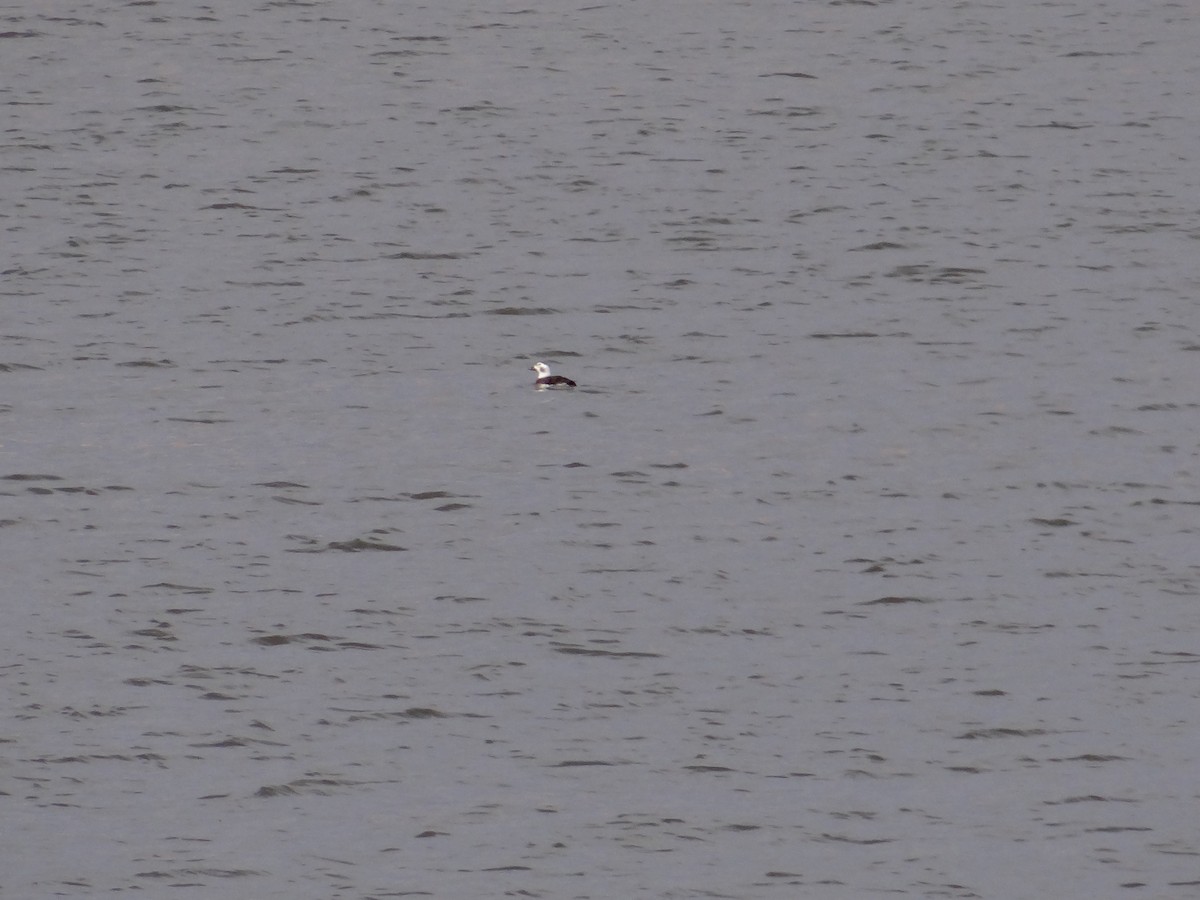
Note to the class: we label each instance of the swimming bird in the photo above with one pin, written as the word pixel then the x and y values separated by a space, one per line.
pixel 546 380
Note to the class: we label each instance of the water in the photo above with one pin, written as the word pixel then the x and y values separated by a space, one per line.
pixel 861 562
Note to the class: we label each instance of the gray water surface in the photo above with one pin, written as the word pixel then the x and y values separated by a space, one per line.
pixel 862 562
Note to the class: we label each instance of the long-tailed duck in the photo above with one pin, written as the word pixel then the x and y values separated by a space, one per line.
pixel 547 381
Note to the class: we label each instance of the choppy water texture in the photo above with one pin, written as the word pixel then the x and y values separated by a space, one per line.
pixel 863 562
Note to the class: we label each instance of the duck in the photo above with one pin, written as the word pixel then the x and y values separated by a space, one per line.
pixel 547 381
